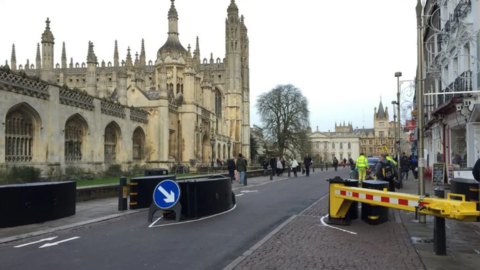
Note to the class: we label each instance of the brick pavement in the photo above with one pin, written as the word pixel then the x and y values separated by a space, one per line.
pixel 305 243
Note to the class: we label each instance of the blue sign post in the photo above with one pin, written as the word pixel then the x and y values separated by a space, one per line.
pixel 166 194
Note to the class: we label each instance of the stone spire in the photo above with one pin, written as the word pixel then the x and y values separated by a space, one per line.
pixel 64 56
pixel 47 36
pixel 143 58
pixel 232 8
pixel 211 59
pixel 115 55
pixel 38 59
pixel 173 46
pixel 172 13
pixel 136 60
pixel 13 59
pixel 91 58
pixel 71 62
pixel 129 62
pixel 27 65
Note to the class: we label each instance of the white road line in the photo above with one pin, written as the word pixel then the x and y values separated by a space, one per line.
pixel 238 195
pixel 59 242
pixel 326 225
pixel 36 242
pixel 189 221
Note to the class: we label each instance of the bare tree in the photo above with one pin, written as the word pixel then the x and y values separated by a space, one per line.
pixel 285 117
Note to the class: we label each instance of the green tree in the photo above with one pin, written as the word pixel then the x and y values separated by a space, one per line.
pixel 285 117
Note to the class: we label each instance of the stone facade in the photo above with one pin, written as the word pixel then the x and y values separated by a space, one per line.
pixel 130 111
pixel 372 140
pixel 343 143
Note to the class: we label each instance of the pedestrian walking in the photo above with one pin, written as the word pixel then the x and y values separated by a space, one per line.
pixel 308 162
pixel 404 168
pixel 265 167
pixel 385 170
pixel 351 163
pixel 231 169
pixel 283 165
pixel 294 166
pixel 241 168
pixel 335 163
pixel 279 167
pixel 273 165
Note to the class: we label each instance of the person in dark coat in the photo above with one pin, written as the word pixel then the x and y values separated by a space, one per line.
pixel 273 165
pixel 307 161
pixel 351 163
pixel 476 170
pixel 231 169
pixel 404 168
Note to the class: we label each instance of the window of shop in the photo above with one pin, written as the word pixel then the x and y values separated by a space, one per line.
pixel 458 146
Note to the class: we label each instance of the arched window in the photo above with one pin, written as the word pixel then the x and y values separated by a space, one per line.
pixel 74 133
pixel 341 145
pixel 138 144
pixel 19 135
pixel 218 103
pixel 349 145
pixel 333 145
pixel 112 135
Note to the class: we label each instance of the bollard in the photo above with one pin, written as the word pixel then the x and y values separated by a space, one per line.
pixel 288 171
pixel 313 168
pixel 122 194
pixel 245 179
pixel 439 231
pixel 271 175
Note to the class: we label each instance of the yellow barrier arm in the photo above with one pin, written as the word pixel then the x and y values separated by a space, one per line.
pixel 341 197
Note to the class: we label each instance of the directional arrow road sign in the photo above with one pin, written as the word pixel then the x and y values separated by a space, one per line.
pixel 166 194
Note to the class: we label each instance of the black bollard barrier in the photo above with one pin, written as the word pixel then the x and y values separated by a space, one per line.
pixel 271 175
pixel 313 168
pixel 439 231
pixel 122 194
pixel 288 171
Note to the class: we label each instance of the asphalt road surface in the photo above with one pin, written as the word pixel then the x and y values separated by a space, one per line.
pixel 129 243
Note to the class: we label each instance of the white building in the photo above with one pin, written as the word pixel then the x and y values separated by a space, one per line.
pixel 343 143
pixel 452 50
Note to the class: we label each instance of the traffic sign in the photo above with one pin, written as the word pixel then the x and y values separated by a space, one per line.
pixel 166 194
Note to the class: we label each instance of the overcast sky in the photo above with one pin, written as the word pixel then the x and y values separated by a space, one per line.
pixel 341 54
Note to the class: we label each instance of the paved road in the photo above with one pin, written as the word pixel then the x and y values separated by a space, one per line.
pixel 128 243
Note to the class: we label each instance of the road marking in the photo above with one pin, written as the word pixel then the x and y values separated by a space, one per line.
pixel 189 221
pixel 248 191
pixel 238 195
pixel 326 225
pixel 59 242
pixel 36 242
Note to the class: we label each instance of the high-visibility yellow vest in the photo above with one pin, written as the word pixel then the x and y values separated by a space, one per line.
pixel 362 162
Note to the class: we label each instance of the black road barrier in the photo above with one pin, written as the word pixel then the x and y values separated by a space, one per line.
pixel 24 204
pixel 123 194
pixel 373 214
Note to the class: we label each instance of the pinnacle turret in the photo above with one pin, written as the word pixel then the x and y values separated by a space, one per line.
pixel 115 55
pixel 91 58
pixel 38 59
pixel 172 13
pixel 232 8
pixel 129 62
pixel 13 59
pixel 143 58
pixel 47 36
pixel 64 56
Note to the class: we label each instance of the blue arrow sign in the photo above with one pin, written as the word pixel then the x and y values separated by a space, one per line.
pixel 166 194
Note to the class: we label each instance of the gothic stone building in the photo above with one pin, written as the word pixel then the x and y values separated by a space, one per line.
pixel 130 111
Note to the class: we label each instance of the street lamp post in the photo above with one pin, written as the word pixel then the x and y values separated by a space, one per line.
pixel 212 142
pixel 419 95
pixel 398 74
pixel 229 143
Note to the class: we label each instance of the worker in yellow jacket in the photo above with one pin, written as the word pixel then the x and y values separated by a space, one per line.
pixel 391 159
pixel 362 165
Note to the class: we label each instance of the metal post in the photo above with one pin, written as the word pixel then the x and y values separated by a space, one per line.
pixel 419 95
pixel 288 171
pixel 439 231
pixel 122 194
pixel 399 173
